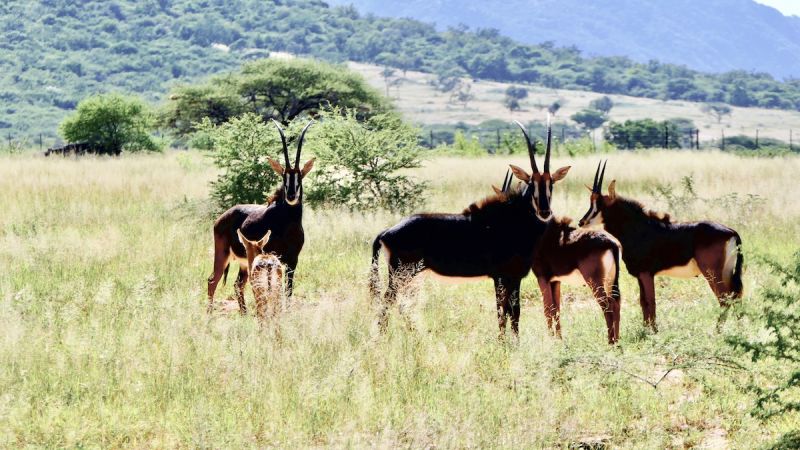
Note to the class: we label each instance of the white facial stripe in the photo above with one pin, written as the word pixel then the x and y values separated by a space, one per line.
pixel 535 197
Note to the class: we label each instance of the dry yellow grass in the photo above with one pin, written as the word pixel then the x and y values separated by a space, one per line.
pixel 104 339
pixel 420 103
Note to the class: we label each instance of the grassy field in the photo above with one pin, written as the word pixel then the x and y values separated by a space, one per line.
pixel 105 342
pixel 419 102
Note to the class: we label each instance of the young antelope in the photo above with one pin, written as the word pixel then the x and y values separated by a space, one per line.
pixel 265 272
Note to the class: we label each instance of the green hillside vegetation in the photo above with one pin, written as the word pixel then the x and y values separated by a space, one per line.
pixel 56 52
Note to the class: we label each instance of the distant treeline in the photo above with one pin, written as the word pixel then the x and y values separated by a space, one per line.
pixel 145 46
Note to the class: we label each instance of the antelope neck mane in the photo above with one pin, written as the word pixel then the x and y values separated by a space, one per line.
pixel 493 205
pixel 275 196
pixel 634 207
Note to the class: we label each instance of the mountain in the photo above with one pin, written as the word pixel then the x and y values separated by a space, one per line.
pixel 707 35
pixel 54 53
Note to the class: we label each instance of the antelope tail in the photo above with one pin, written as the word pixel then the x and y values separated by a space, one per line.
pixel 737 286
pixel 374 275
pixel 615 292
pixel 225 274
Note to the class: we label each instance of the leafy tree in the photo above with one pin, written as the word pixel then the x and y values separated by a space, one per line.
pixel 240 148
pixel 359 162
pixel 516 92
pixel 645 133
pixel 602 104
pixel 463 95
pixel 272 89
pixel 111 123
pixel 511 103
pixel 589 118
pixel 717 110
pixel 777 341
pixel 555 107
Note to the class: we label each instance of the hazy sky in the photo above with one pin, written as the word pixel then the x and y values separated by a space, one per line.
pixel 788 7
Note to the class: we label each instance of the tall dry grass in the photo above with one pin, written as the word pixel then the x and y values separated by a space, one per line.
pixel 104 339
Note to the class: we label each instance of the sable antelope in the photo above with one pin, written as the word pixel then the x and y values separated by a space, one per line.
pixel 567 254
pixel 654 245
pixel 265 272
pixel 283 215
pixel 491 238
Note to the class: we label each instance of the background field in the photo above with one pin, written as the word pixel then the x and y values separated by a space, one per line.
pixel 421 103
pixel 104 339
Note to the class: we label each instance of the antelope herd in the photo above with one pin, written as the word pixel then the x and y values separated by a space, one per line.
pixel 503 237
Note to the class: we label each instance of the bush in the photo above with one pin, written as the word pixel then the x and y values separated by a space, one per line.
pixel 110 123
pixel 240 148
pixel 777 341
pixel 463 146
pixel 359 161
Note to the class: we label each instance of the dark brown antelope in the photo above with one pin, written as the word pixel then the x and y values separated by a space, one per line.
pixel 654 245
pixel 492 238
pixel 265 273
pixel 283 215
pixel 574 256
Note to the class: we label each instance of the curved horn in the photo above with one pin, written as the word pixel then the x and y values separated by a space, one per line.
pixel 549 143
pixel 300 144
pixel 531 147
pixel 600 181
pixel 507 181
pixel 283 139
pixel 596 176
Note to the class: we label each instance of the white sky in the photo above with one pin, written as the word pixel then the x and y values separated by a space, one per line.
pixel 787 7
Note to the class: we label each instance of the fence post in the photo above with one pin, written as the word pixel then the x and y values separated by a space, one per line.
pixel 723 140
pixel 563 136
pixel 666 136
pixel 757 138
pixel 431 137
pixel 791 143
pixel 697 139
pixel 498 139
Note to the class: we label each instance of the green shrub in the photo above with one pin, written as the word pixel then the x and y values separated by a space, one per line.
pixel 112 123
pixel 358 162
pixel 463 146
pixel 240 148
pixel 777 340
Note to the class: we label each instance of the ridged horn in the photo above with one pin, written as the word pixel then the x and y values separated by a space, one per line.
pixel 549 145
pixel 283 139
pixel 531 147
pixel 300 144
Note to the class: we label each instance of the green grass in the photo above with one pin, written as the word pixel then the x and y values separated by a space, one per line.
pixel 105 342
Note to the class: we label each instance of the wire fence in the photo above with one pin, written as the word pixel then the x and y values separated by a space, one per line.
pixel 494 139
pixel 501 138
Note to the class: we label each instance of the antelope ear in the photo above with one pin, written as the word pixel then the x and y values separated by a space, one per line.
pixel 276 166
pixel 242 239
pixel 263 241
pixel 560 173
pixel 496 190
pixel 519 173
pixel 612 190
pixel 308 166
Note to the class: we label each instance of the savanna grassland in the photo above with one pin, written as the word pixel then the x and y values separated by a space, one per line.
pixel 105 341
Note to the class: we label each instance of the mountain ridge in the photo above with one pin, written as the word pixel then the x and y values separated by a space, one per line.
pixel 711 36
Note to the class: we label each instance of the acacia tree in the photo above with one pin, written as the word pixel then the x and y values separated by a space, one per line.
pixel 111 123
pixel 717 110
pixel 272 89
pixel 589 118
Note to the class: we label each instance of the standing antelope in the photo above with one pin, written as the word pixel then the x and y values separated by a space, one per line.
pixel 283 215
pixel 654 245
pixel 491 238
pixel 567 254
pixel 265 272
